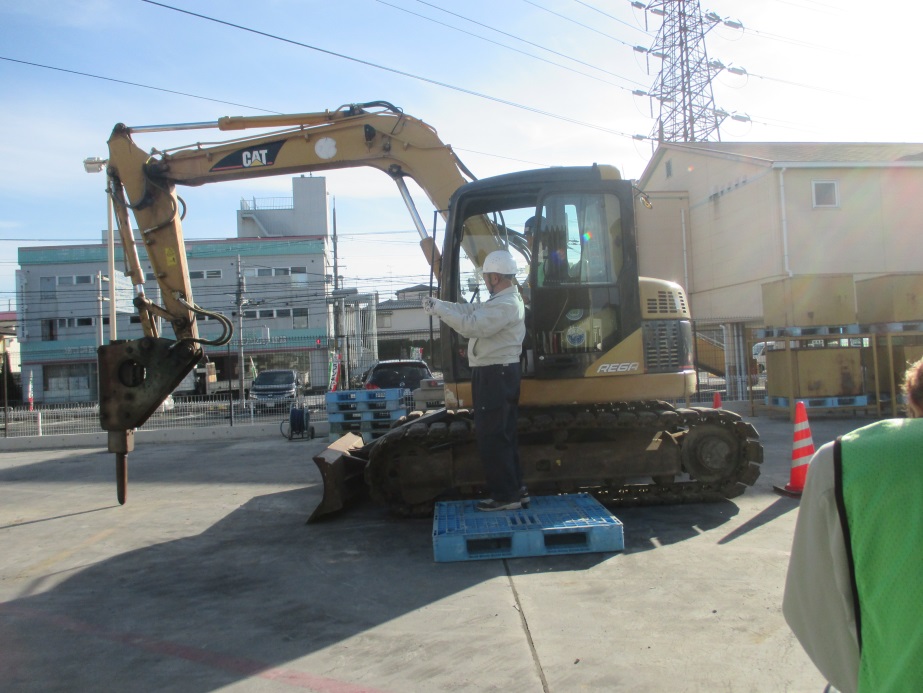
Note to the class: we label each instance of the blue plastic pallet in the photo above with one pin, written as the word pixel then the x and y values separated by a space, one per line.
pixel 821 402
pixel 356 426
pixel 385 415
pixel 377 405
pixel 880 328
pixel 799 331
pixel 353 396
pixel 573 523
pixel 341 404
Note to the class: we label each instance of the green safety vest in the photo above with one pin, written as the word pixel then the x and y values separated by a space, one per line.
pixel 879 491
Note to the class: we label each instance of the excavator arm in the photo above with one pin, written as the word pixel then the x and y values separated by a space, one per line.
pixel 136 375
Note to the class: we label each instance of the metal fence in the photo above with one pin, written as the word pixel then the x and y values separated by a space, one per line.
pixel 205 411
pixel 185 412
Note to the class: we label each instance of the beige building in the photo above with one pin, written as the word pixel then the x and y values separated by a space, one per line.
pixel 729 217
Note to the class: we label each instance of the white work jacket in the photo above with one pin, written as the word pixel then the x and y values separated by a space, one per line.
pixel 494 329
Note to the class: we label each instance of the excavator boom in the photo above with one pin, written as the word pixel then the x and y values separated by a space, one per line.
pixel 136 375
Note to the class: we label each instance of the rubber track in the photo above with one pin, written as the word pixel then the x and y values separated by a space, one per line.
pixel 438 429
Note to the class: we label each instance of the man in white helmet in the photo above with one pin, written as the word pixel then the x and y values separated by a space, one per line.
pixel 495 330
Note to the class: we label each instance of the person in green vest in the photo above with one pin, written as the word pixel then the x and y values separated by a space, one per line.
pixel 854 589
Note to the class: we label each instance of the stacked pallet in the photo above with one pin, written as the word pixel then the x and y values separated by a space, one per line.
pixel 369 413
pixel 815 317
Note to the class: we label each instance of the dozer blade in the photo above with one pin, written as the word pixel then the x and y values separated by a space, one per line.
pixel 343 476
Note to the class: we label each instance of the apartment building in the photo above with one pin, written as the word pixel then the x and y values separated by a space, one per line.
pixel 271 280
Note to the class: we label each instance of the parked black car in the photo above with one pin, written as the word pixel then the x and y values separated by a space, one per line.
pixel 397 373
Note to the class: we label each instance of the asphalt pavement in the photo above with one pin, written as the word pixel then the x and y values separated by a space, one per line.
pixel 209 579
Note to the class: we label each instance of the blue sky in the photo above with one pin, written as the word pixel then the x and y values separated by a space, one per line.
pixel 551 84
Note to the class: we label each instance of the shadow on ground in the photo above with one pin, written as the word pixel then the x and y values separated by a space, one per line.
pixel 257 590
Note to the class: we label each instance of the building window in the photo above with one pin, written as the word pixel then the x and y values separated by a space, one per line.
pixel 150 276
pixel 49 332
pixel 48 288
pixel 382 320
pixel 299 276
pixel 84 322
pixel 300 318
pixel 213 274
pixel 282 271
pixel 825 193
pixel 249 313
pixel 197 274
pixel 134 319
pixel 266 313
pixel 264 271
pixel 668 168
pixel 284 313
pixel 70 380
pixel 70 280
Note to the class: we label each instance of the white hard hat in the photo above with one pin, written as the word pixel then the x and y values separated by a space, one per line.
pixel 500 262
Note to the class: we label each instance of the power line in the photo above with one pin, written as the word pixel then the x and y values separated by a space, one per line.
pixel 746 73
pixel 503 45
pixel 615 19
pixel 580 24
pixel 531 43
pixel 136 84
pixel 392 70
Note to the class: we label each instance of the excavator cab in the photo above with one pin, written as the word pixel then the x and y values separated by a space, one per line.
pixel 579 283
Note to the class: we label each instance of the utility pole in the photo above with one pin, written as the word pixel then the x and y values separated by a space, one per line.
pixel 6 403
pixel 240 302
pixel 100 278
pixel 335 266
pixel 336 285
pixel 110 243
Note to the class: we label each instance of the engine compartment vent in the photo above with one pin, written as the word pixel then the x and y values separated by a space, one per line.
pixel 664 346
pixel 667 303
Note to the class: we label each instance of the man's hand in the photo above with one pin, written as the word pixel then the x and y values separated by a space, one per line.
pixel 429 305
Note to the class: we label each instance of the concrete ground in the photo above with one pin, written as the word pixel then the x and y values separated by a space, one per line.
pixel 208 579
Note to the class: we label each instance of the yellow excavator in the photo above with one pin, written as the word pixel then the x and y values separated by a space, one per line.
pixel 605 348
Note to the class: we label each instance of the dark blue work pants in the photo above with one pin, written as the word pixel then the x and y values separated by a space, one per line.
pixel 495 390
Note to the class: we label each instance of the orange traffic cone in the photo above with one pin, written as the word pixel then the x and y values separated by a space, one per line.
pixel 716 401
pixel 802 451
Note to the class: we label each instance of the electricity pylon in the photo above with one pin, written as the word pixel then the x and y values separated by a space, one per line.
pixel 684 85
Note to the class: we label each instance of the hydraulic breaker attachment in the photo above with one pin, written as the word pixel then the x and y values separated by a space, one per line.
pixel 135 376
pixel 343 475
